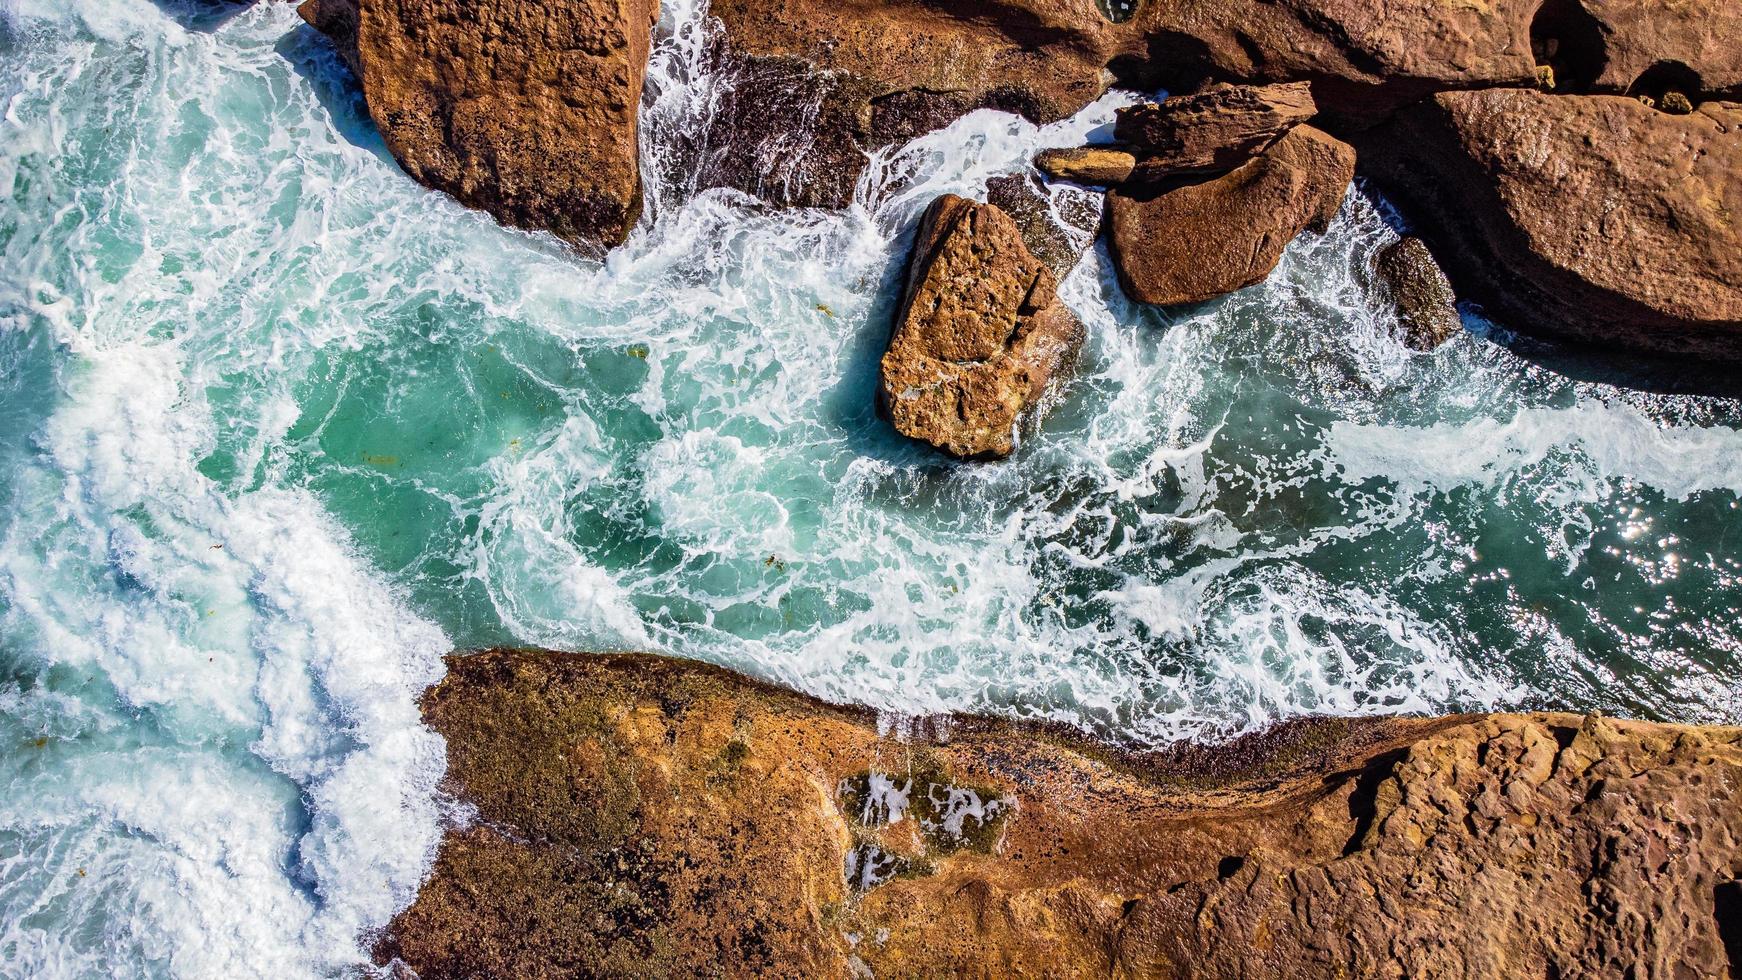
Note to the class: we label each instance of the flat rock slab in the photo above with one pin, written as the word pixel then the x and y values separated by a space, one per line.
pixel 1192 242
pixel 980 335
pixel 637 816
pixel 1591 218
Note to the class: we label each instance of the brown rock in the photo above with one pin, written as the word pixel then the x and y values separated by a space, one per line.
pixel 1591 218
pixel 1100 165
pixel 1426 307
pixel 1212 131
pixel 1692 42
pixel 980 336
pixel 525 110
pixel 1193 242
pixel 646 817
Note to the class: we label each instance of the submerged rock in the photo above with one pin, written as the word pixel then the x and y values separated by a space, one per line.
pixel 1185 243
pixel 1212 131
pixel 1590 218
pixel 1426 307
pixel 980 336
pixel 638 816
pixel 525 110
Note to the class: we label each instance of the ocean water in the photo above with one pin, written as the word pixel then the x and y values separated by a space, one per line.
pixel 279 428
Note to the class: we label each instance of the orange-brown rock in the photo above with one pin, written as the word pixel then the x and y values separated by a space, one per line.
pixel 1214 130
pixel 525 110
pixel 1101 165
pixel 1185 243
pixel 980 336
pixel 646 817
pixel 1624 46
pixel 1591 218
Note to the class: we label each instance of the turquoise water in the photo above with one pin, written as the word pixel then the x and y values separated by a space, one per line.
pixel 278 429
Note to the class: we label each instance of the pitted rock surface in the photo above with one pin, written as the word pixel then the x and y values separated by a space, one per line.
pixel 980 336
pixel 638 816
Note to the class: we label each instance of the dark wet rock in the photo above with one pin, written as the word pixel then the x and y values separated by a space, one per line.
pixel 1057 224
pixel 1212 131
pixel 1590 218
pixel 1427 310
pixel 1102 166
pixel 638 816
pixel 981 334
pixel 1185 243
pixel 525 110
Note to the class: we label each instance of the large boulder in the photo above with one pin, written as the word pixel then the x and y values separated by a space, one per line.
pixel 980 335
pixel 636 816
pixel 1623 46
pixel 1185 243
pixel 1212 131
pixel 525 110
pixel 1590 218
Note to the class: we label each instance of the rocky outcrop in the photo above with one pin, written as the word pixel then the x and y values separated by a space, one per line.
pixel 1213 131
pixel 980 336
pixel 525 110
pixel 1192 242
pixel 1591 218
pixel 1625 46
pixel 645 817
pixel 1102 166
pixel 1427 309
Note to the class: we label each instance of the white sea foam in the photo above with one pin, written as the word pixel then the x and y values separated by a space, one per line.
pixel 293 424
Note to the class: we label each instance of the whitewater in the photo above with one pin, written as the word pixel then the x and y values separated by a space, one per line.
pixel 279 429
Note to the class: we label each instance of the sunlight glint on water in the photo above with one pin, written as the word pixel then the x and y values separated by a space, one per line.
pixel 278 428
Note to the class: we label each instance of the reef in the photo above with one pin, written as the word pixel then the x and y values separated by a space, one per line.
pixel 636 816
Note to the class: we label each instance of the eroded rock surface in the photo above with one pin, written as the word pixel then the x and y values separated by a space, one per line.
pixel 1427 309
pixel 1104 166
pixel 1592 218
pixel 980 336
pixel 647 817
pixel 1192 242
pixel 1212 131
pixel 525 110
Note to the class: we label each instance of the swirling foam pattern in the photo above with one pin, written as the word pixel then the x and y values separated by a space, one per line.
pixel 278 428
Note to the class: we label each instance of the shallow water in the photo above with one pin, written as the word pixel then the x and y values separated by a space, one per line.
pixel 278 428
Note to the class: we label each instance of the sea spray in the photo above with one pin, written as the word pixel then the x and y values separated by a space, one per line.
pixel 279 427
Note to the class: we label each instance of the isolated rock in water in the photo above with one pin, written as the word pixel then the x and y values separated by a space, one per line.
pixel 1426 307
pixel 1192 242
pixel 980 336
pixel 1103 166
pixel 525 110
pixel 646 817
pixel 1212 131
pixel 1590 218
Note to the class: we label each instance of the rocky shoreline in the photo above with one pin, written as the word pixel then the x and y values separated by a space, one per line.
pixel 1572 163
pixel 642 816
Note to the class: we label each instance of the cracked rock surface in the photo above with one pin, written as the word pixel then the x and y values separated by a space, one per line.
pixel 640 816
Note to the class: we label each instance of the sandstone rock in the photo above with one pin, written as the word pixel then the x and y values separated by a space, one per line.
pixel 1426 307
pixel 1100 165
pixel 1057 224
pixel 980 336
pixel 525 110
pixel 1193 242
pixel 646 817
pixel 1212 131
pixel 1634 40
pixel 1590 218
